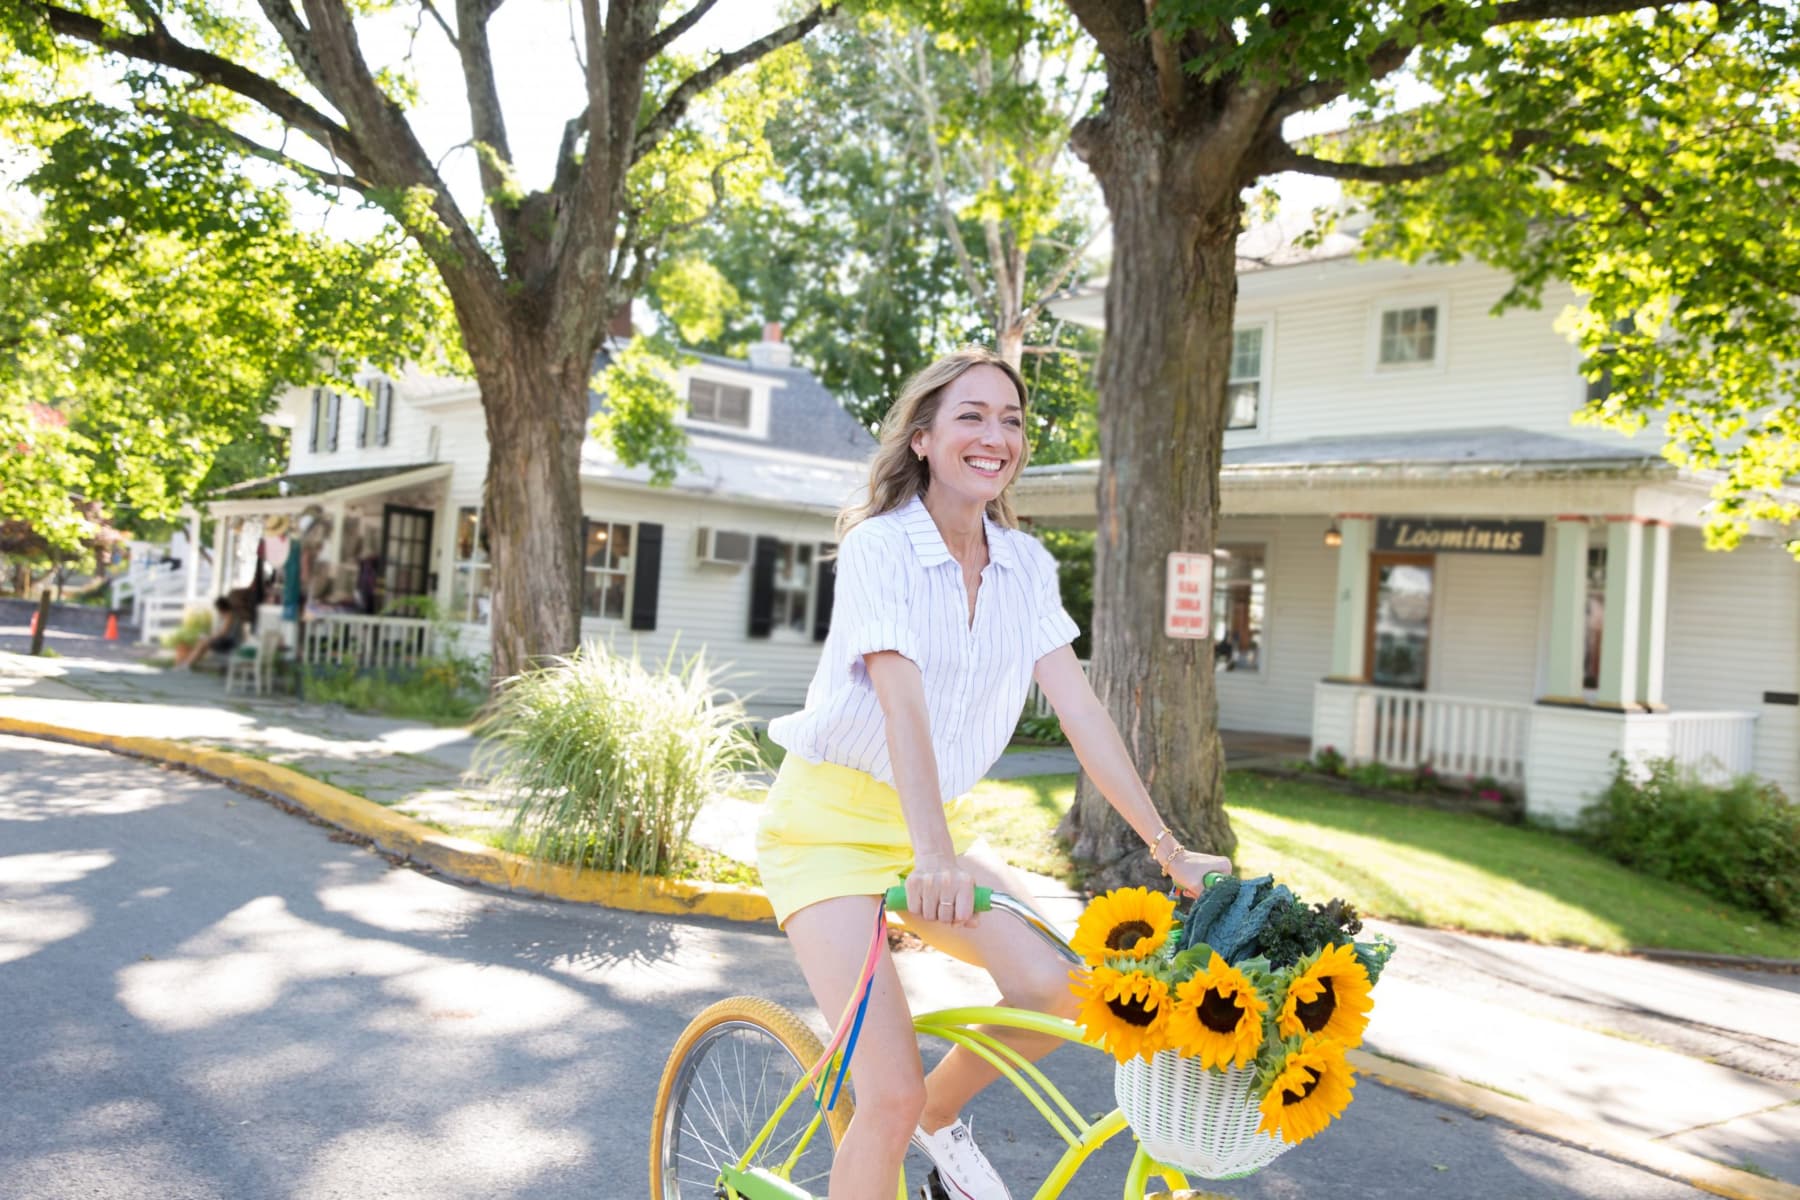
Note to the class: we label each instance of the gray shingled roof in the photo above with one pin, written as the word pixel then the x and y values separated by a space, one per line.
pixel 804 418
pixel 311 483
pixel 1498 446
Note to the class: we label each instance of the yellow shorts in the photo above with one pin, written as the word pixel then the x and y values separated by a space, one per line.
pixel 829 831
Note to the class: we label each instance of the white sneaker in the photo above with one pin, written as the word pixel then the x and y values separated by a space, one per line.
pixel 960 1163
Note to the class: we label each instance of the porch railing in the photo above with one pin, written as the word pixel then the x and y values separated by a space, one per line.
pixel 1454 735
pixel 158 615
pixel 1717 746
pixel 370 643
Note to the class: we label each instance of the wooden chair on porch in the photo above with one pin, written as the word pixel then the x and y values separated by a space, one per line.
pixel 254 662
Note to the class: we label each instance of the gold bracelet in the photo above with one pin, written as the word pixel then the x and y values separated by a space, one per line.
pixel 1157 841
pixel 1164 862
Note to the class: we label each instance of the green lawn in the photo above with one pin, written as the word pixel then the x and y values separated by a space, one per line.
pixel 1420 866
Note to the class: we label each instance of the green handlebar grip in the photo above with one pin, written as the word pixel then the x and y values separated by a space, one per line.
pixel 896 898
pixel 1210 878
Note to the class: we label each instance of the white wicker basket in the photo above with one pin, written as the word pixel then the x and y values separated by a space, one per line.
pixel 1198 1120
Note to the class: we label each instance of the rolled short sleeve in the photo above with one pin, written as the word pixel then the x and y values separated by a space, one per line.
pixel 1055 628
pixel 872 600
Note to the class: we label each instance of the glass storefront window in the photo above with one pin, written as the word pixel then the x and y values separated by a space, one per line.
pixel 1240 605
pixel 1401 624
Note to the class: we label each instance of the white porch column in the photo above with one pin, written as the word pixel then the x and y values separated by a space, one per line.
pixel 1568 610
pixel 1350 626
pixel 1653 621
pixel 221 557
pixel 190 588
pixel 1620 643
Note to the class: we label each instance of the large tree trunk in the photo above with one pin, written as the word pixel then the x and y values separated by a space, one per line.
pixel 1162 376
pixel 537 408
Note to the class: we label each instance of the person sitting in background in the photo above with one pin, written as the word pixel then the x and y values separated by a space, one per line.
pixel 228 632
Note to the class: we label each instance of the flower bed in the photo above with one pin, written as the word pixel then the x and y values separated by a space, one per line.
pixel 1422 786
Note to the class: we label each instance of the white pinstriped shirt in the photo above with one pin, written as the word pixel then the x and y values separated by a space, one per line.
pixel 899 588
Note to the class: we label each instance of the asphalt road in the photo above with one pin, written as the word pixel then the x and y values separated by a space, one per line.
pixel 202 996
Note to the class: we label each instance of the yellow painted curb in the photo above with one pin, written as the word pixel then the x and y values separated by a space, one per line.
pixel 457 858
pixel 1667 1161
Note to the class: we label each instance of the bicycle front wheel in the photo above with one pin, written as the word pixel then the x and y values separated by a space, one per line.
pixel 729 1072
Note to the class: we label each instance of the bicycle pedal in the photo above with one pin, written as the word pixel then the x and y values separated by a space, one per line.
pixel 934 1188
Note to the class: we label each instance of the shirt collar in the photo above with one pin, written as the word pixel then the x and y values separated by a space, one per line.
pixel 928 543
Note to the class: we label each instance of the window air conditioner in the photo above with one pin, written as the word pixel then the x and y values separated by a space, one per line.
pixel 724 548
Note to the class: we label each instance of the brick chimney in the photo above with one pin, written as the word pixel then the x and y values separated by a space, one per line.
pixel 772 351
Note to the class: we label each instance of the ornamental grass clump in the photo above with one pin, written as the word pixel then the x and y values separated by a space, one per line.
pixel 606 762
pixel 1246 980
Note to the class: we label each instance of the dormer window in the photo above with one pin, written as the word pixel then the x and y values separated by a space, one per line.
pixel 719 403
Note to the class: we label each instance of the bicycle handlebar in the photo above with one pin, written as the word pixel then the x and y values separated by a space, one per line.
pixel 987 899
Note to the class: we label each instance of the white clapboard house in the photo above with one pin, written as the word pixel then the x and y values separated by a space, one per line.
pixel 1423 560
pixel 729 559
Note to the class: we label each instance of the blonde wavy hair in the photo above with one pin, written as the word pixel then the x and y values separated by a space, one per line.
pixel 896 474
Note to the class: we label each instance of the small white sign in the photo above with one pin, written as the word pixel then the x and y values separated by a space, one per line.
pixel 1187 599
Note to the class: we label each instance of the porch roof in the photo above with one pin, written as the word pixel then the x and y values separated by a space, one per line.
pixel 295 490
pixel 1516 453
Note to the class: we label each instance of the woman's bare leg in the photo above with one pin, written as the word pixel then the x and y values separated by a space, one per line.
pixel 1029 973
pixel 831 940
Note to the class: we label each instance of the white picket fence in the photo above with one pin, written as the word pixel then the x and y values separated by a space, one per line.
pixel 371 643
pixel 159 614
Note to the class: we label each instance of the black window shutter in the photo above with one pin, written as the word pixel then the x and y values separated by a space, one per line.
pixel 331 422
pixel 313 442
pixel 762 586
pixel 385 415
pixel 649 575
pixel 827 588
pixel 362 422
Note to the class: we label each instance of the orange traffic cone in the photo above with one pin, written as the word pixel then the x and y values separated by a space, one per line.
pixel 112 626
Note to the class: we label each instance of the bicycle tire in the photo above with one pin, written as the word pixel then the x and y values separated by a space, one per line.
pixel 751 1028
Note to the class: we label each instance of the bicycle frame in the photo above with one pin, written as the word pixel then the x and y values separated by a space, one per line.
pixel 959 1027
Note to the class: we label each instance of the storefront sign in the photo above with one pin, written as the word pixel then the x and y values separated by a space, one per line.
pixel 1438 535
pixel 1187 598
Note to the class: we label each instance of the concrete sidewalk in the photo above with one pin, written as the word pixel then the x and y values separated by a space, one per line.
pixel 1594 1046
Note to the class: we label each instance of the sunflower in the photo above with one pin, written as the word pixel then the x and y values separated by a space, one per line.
pixel 1328 996
pixel 1217 1015
pixel 1309 1092
pixel 1123 923
pixel 1124 1012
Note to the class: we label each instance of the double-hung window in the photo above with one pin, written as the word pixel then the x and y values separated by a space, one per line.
pixel 472 582
pixel 1244 389
pixel 375 420
pixel 794 579
pixel 605 569
pixel 1409 335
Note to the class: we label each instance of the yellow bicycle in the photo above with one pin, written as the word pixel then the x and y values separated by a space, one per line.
pixel 734 1119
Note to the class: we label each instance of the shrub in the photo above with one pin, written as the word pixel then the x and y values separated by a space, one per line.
pixel 608 763
pixel 1738 843
pixel 195 627
pixel 1046 728
pixel 1328 761
pixel 439 689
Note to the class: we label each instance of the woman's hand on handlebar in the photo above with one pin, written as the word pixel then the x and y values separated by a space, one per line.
pixel 938 889
pixel 1189 870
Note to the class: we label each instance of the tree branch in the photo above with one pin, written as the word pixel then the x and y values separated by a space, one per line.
pixel 676 106
pixel 488 123
pixel 677 27
pixel 166 51
pixel 1113 24
pixel 256 149
pixel 1283 157
pixel 449 33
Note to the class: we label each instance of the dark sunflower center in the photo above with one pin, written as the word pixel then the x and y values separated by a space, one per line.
pixel 1290 1096
pixel 1132 1011
pixel 1127 934
pixel 1316 1012
pixel 1218 1012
